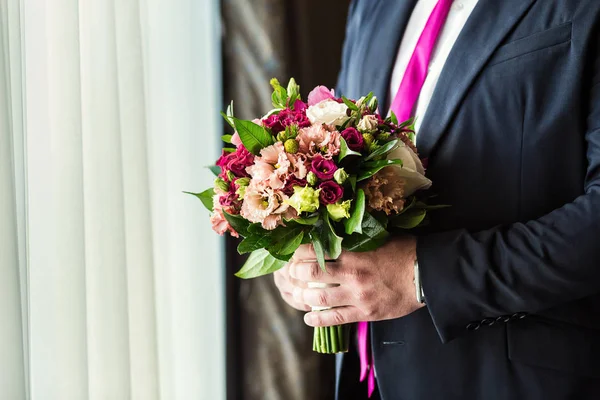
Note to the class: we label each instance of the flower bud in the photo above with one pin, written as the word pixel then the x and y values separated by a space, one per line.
pixel 241 191
pixel 373 103
pixel 230 176
pixel 339 210
pixel 340 176
pixel 311 178
pixel 242 182
pixel 291 146
pixel 304 199
pixel 282 136
pixel 291 131
pixel 221 185
pixel 384 136
pixel 368 124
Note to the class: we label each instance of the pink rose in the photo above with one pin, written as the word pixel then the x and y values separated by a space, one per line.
pixel 353 138
pixel 319 94
pixel 330 193
pixel 323 168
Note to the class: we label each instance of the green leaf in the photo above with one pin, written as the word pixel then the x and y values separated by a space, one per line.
pixel 409 122
pixel 345 150
pixel 310 220
pixel 352 181
pixel 349 121
pixel 205 197
pixel 228 149
pixel 279 96
pixel 409 219
pixel 226 138
pixel 255 241
pixel 373 236
pixel 228 119
pixel 350 104
pixel 334 242
pixel 354 223
pixel 318 246
pixel 383 150
pixel 373 167
pixel 287 242
pixel 238 223
pixel 293 90
pixel 254 137
pixel 216 170
pixel 393 118
pixel 424 206
pixel 260 262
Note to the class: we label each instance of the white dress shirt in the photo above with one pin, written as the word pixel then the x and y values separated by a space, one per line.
pixel 459 13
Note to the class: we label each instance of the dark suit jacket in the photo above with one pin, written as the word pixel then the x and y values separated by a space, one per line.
pixel 511 272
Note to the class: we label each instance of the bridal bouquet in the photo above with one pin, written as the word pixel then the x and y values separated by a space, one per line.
pixel 330 172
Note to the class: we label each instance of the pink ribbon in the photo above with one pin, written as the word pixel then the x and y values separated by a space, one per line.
pixel 366 363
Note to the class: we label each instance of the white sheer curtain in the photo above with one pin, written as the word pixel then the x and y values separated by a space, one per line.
pixel 110 278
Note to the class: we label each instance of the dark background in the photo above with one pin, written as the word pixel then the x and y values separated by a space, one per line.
pixel 269 349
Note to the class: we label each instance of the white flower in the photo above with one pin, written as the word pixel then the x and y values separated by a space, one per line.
pixel 412 169
pixel 328 112
pixel 368 124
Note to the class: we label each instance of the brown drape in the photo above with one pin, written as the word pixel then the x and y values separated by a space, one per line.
pixel 269 351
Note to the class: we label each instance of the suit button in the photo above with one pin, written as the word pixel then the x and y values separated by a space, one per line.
pixel 488 321
pixel 473 326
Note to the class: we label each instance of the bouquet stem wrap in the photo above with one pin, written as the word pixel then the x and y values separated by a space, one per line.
pixel 331 339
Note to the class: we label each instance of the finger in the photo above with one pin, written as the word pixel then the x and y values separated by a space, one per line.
pixel 289 299
pixel 335 316
pixel 311 272
pixel 329 297
pixel 305 252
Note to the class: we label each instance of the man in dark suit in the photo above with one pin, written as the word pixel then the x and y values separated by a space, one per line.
pixel 511 271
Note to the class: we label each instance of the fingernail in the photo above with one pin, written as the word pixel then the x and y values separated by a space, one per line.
pixel 309 319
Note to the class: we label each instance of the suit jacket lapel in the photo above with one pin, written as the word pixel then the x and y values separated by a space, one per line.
pixel 390 18
pixel 490 22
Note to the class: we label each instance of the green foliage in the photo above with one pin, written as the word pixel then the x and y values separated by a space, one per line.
pixel 216 170
pixel 260 263
pixel 373 167
pixel 279 97
pixel 373 236
pixel 409 219
pixel 345 150
pixel 349 104
pixel 205 197
pixel 226 138
pixel 354 223
pixel 238 223
pixel 383 150
pixel 254 137
pixel 318 246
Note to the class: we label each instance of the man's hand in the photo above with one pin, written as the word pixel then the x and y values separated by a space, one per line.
pixel 373 286
pixel 286 285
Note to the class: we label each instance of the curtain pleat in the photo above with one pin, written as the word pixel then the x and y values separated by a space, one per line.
pixel 12 349
pixel 111 282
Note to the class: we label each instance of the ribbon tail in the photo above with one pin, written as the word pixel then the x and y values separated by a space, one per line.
pixel 371 382
pixel 363 333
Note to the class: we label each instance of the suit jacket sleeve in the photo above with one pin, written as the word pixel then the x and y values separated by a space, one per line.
pixel 522 267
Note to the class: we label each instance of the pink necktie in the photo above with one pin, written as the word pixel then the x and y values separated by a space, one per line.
pixel 402 106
